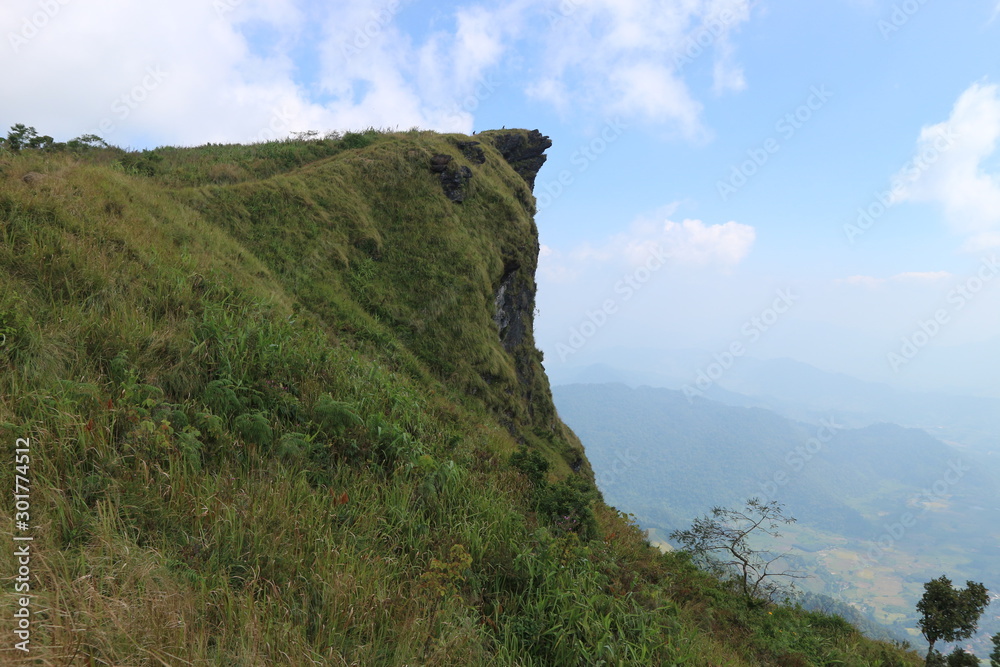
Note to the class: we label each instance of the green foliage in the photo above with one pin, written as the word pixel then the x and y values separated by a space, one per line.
pixel 568 505
pixel 17 328
pixel 254 428
pixel 950 614
pixel 335 417
pixel 86 142
pixel 220 397
pixel 532 464
pixel 144 163
pixel 295 447
pixel 959 658
pixel 22 136
pixel 356 140
pixel 995 654
pixel 448 578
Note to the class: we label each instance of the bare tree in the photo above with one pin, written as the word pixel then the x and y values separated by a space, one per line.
pixel 722 540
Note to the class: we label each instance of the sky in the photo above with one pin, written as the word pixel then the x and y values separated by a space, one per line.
pixel 815 180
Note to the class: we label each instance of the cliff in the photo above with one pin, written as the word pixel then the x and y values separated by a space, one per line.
pixel 284 406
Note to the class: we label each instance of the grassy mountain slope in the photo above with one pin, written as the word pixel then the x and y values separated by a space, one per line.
pixel 284 407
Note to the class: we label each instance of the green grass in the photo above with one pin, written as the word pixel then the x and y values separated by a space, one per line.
pixel 272 422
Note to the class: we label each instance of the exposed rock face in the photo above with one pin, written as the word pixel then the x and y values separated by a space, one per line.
pixel 525 151
pixel 440 162
pixel 514 291
pixel 453 179
pixel 472 152
pixel 514 288
pixel 511 305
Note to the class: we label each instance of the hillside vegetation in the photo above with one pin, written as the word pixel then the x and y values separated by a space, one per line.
pixel 284 407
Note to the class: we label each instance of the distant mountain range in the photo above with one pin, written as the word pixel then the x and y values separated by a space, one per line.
pixel 798 391
pixel 884 507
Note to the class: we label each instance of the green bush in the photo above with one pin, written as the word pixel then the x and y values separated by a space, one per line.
pixel 356 140
pixel 533 464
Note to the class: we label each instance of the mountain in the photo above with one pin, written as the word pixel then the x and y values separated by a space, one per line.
pixel 281 404
pixel 880 504
pixel 799 391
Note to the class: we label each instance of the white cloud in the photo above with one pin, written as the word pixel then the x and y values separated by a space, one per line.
pixel 180 72
pixel 953 172
pixel 653 92
pixel 909 277
pixel 922 277
pixel 239 70
pixel 629 57
pixel 860 281
pixel 689 245
pixel 692 242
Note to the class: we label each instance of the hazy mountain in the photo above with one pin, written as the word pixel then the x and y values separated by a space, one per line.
pixel 798 391
pixel 880 503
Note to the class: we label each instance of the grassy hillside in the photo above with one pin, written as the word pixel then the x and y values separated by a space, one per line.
pixel 284 407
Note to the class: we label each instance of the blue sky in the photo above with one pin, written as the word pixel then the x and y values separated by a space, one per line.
pixel 739 138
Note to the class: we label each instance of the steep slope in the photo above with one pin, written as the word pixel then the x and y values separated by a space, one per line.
pixel 284 407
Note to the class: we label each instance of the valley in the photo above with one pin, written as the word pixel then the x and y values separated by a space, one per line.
pixel 880 509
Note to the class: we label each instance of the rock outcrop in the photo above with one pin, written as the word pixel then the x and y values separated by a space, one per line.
pixel 523 149
pixel 453 179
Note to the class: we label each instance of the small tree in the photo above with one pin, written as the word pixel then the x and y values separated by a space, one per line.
pixel 995 655
pixel 22 136
pixel 959 658
pixel 86 141
pixel 723 539
pixel 950 614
